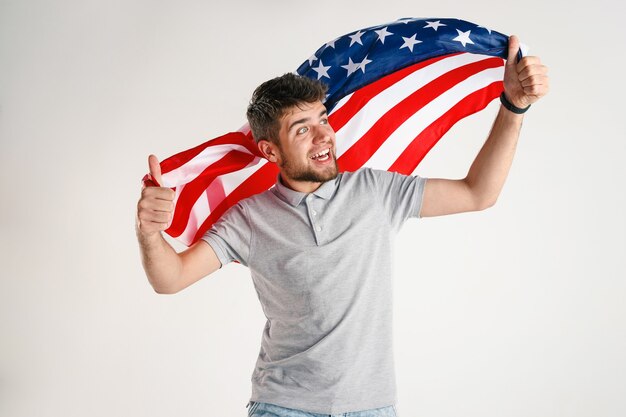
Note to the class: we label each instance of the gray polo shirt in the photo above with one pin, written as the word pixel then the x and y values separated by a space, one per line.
pixel 321 264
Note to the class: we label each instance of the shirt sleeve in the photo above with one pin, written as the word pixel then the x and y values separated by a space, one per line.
pixel 400 195
pixel 230 236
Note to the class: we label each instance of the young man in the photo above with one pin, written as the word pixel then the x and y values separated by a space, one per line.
pixel 318 246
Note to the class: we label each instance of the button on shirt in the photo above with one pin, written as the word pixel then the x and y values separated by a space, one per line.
pixel 321 264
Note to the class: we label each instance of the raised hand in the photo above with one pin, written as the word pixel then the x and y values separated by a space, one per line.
pixel 156 205
pixel 525 81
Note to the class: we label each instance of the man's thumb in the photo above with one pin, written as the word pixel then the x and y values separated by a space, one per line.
pixel 155 170
pixel 513 50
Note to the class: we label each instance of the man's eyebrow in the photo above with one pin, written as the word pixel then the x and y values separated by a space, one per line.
pixel 304 119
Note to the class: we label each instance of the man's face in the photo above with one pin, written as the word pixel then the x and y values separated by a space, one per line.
pixel 306 150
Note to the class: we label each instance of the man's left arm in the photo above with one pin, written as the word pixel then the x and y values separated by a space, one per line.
pixel 525 82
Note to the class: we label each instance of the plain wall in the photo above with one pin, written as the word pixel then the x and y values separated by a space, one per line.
pixel 519 310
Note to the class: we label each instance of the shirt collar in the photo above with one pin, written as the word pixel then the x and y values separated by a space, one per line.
pixel 325 191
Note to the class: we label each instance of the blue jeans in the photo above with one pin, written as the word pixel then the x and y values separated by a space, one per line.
pixel 256 409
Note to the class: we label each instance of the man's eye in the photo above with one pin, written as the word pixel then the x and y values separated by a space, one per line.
pixel 324 121
pixel 302 130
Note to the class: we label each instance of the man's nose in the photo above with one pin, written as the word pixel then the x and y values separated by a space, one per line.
pixel 321 134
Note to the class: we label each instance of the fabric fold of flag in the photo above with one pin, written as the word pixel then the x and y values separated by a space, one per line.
pixel 393 91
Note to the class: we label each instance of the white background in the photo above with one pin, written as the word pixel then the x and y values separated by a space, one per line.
pixel 515 311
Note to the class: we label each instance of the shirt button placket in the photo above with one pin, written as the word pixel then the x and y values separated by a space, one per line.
pixel 313 213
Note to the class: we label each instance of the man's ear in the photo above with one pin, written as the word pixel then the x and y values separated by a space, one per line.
pixel 268 149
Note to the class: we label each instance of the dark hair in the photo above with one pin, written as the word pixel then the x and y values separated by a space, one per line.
pixel 273 98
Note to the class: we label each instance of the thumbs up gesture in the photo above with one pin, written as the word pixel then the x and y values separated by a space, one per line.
pixel 525 81
pixel 155 179
pixel 156 205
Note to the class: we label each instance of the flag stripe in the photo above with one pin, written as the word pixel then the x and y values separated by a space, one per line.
pixel 186 165
pixel 228 182
pixel 384 126
pixel 197 165
pixel 361 97
pixel 256 183
pixel 402 137
pixel 232 161
pixel 376 107
pixel 423 143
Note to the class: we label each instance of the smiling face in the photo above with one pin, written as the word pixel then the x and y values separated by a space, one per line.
pixel 305 151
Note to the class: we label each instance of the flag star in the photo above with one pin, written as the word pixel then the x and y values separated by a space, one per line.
pixel 410 42
pixel 311 59
pixel 463 38
pixel 331 44
pixel 351 67
pixel 382 34
pixel 364 63
pixel 322 71
pixel 434 25
pixel 356 38
pixel 405 20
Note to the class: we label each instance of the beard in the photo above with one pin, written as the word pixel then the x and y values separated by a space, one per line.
pixel 306 173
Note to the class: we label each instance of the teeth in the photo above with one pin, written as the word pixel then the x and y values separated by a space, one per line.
pixel 317 155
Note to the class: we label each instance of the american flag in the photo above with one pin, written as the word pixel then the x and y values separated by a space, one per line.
pixel 394 90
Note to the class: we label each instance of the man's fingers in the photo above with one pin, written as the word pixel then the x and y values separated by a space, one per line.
pixel 154 204
pixel 155 216
pixel 158 193
pixel 155 170
pixel 530 62
pixel 535 80
pixel 534 70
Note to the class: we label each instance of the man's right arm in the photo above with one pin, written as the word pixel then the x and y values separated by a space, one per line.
pixel 167 271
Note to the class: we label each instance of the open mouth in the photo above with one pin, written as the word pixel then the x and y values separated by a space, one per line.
pixel 321 156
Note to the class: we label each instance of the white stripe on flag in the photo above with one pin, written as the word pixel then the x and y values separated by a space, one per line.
pixel 400 139
pixel 363 120
pixel 200 210
pixel 190 170
pixel 233 180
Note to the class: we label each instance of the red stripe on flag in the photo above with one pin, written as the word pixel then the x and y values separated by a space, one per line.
pixel 232 138
pixel 232 161
pixel 259 181
pixel 419 147
pixel 359 153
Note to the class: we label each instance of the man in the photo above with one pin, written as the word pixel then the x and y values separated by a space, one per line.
pixel 318 245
